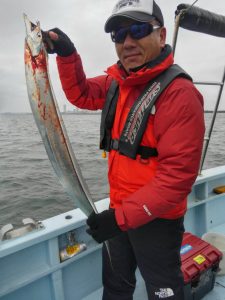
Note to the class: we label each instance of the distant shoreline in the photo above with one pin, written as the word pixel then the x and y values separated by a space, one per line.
pixel 63 113
pixel 82 113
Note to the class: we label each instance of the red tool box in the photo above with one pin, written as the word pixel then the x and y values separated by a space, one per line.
pixel 200 261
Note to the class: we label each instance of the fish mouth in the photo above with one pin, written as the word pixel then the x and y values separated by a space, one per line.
pixel 33 36
pixel 30 26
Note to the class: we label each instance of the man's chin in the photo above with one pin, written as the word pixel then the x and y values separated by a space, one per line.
pixel 132 63
pixel 133 66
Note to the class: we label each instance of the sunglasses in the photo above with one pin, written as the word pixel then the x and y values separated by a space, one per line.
pixel 136 31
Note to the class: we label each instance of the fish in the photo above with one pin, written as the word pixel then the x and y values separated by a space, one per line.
pixel 50 123
pixel 49 119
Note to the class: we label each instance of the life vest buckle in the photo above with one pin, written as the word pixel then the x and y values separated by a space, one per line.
pixel 114 145
pixel 144 161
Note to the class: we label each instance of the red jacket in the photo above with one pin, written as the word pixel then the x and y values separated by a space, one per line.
pixel 141 192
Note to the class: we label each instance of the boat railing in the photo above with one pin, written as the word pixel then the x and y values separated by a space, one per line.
pixel 191 17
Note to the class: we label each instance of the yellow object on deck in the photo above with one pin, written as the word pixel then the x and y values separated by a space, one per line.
pixel 219 189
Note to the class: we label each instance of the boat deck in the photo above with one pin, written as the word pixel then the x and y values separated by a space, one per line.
pixel 140 291
pixel 218 293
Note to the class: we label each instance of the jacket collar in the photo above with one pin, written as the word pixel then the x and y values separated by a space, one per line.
pixel 144 73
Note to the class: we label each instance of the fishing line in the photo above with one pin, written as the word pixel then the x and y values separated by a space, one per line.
pixel 186 10
pixel 106 243
pixel 194 3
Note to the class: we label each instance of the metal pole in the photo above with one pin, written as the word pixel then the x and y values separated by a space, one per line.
pixel 221 84
pixel 212 124
pixel 176 29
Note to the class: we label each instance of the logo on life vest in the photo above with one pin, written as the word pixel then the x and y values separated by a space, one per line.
pixel 137 116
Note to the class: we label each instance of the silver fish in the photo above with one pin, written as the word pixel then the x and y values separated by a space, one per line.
pixel 49 120
pixel 50 124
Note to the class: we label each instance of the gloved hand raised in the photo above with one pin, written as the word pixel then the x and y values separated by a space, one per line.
pixel 58 42
pixel 103 226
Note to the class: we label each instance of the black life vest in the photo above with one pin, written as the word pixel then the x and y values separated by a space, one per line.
pixel 135 125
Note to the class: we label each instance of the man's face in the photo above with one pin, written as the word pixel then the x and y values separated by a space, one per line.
pixel 133 53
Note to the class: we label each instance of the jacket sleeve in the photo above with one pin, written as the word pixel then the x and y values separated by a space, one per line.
pixel 80 91
pixel 179 129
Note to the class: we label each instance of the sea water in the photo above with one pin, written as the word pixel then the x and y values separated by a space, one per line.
pixel 28 184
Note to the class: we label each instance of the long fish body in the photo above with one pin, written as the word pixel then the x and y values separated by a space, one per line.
pixel 49 120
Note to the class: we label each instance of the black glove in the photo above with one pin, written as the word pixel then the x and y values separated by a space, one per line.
pixel 103 226
pixel 62 46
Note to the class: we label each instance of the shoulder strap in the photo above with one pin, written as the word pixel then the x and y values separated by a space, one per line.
pixel 138 116
pixel 108 115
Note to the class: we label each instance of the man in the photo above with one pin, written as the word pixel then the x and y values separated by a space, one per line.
pixel 154 148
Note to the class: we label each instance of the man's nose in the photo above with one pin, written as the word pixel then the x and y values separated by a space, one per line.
pixel 129 41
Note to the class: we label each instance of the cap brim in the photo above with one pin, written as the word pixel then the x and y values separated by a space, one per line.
pixel 113 21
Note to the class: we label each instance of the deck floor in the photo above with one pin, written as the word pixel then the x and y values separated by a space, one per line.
pixel 218 293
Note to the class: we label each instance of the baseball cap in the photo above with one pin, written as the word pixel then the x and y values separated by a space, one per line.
pixel 138 10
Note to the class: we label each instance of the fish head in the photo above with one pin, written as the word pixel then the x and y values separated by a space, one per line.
pixel 34 36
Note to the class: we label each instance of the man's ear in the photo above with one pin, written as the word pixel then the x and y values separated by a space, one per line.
pixel 163 37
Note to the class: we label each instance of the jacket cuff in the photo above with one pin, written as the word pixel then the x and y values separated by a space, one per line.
pixel 120 219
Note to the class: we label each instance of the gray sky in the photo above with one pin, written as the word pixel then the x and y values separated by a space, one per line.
pixel 201 55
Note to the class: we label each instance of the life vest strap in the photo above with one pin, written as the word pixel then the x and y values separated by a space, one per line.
pixel 137 119
pixel 144 151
